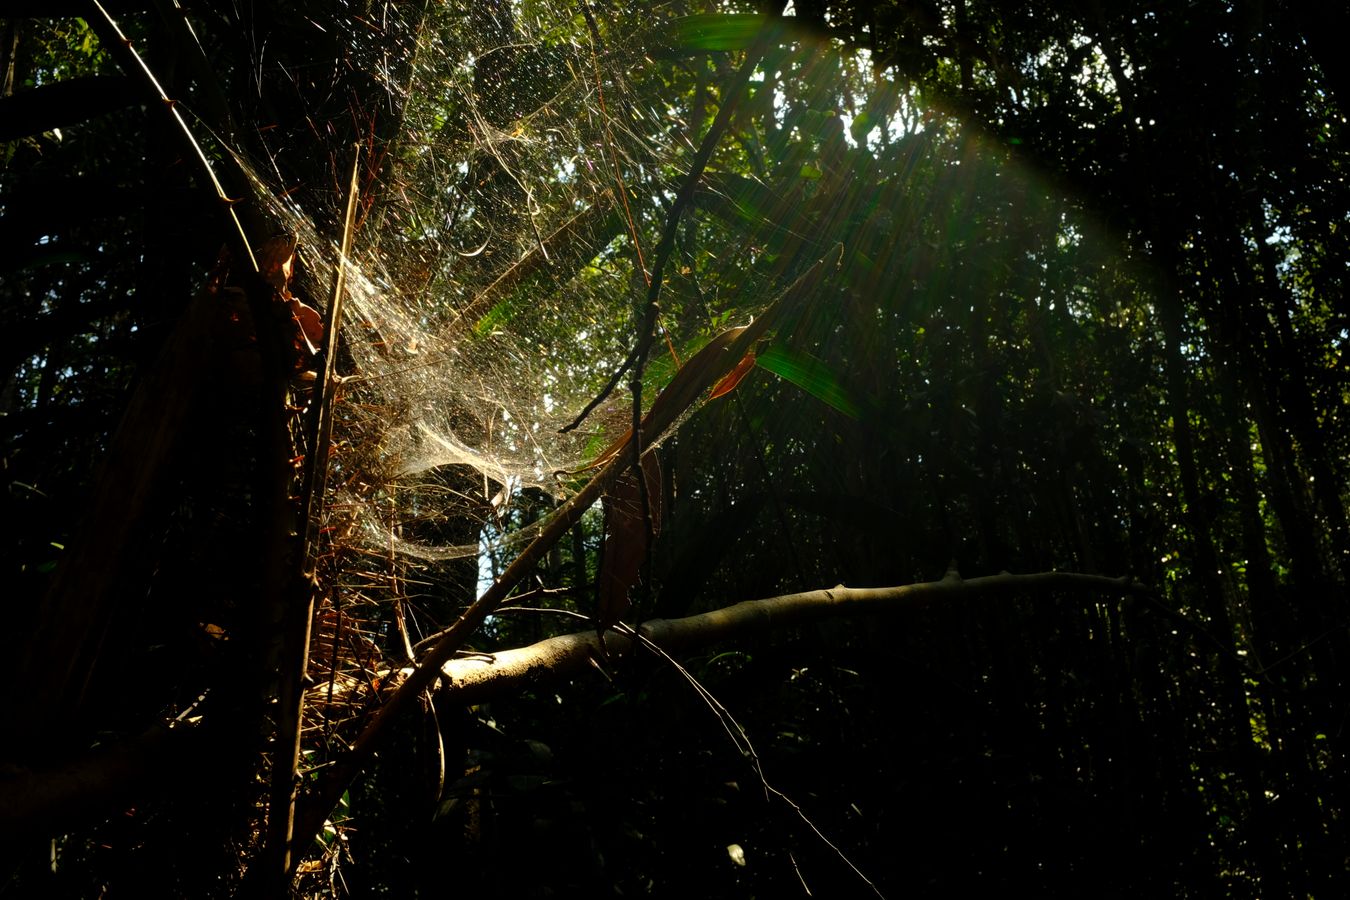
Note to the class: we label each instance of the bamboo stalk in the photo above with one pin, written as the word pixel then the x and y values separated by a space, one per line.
pixel 300 613
pixel 119 44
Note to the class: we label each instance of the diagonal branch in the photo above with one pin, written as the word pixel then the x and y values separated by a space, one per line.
pixel 578 228
pixel 661 418
pixel 121 47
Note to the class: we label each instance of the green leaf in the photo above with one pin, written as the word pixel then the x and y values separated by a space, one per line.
pixel 809 374
pixel 861 125
pixel 505 310
pixel 729 31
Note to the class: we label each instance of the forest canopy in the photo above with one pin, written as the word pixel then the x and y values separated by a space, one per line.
pixel 565 447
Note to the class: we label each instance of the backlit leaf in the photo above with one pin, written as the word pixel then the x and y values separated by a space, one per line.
pixel 809 374
pixel 732 31
pixel 733 378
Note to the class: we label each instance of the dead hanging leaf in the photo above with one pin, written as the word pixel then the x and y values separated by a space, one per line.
pixel 276 265
pixel 276 261
pixel 733 378
pixel 308 327
pixel 627 538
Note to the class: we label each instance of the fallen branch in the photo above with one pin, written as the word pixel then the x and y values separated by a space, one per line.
pixel 84 790
pixel 475 679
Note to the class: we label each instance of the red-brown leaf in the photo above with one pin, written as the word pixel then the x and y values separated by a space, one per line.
pixel 733 378
pixel 276 261
pixel 627 538
pixel 308 325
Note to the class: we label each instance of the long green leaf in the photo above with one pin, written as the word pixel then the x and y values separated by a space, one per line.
pixel 809 374
pixel 729 31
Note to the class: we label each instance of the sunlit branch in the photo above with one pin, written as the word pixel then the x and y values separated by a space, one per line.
pixel 473 680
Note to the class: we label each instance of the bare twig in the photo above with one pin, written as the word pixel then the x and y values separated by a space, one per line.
pixel 646 331
pixel 740 739
pixel 121 45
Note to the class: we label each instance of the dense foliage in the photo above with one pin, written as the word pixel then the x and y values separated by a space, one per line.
pixel 1088 313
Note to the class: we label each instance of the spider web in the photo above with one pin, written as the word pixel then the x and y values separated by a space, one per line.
pixel 496 267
